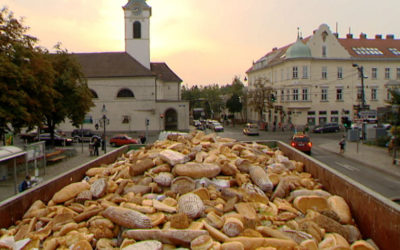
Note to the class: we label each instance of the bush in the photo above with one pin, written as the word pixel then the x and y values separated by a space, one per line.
pixel 382 141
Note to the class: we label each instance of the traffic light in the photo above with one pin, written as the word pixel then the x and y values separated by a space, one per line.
pixel 344 121
pixel 273 99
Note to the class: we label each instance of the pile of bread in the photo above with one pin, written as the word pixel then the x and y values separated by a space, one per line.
pixel 197 191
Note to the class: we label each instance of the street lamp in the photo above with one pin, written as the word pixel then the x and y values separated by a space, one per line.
pixel 104 120
pixel 361 70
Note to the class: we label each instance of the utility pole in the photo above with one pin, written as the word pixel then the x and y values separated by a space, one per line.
pixel 361 71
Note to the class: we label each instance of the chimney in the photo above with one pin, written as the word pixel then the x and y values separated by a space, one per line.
pixel 336 35
pixel 349 36
pixel 363 36
pixel 378 36
pixel 390 36
pixel 314 31
pixel 274 48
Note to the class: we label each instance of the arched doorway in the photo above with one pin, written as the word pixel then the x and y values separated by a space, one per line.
pixel 171 120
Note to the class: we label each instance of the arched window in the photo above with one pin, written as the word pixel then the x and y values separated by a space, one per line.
pixel 125 93
pixel 137 30
pixel 94 94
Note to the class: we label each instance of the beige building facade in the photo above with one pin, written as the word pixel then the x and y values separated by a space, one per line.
pixel 132 89
pixel 317 80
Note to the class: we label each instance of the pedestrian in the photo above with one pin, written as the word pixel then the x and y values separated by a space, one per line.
pixel 96 145
pixel 142 139
pixel 342 144
pixel 25 184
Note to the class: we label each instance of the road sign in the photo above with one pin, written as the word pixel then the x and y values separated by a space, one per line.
pixel 364 114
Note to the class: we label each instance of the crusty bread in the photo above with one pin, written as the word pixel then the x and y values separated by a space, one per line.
pixel 70 191
pixel 317 203
pixel 338 205
pixel 361 245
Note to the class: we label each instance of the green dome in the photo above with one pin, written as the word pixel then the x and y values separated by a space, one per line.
pixel 298 50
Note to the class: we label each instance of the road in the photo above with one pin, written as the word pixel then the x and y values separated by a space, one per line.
pixel 380 182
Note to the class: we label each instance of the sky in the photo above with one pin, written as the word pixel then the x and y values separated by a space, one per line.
pixel 203 41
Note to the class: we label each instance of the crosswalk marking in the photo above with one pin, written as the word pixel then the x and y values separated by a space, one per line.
pixel 346 166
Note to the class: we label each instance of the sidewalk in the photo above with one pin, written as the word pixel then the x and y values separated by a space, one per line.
pixel 372 156
pixel 53 170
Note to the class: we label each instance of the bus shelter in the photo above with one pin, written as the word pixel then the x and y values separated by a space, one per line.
pixel 12 154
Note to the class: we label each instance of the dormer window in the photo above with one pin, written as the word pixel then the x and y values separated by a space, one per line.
pixel 323 51
pixel 137 30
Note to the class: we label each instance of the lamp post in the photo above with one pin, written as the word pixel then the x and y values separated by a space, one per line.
pixel 104 119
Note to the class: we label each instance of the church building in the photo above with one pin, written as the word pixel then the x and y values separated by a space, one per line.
pixel 133 93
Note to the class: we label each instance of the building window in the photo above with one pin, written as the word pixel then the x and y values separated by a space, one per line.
pixel 125 93
pixel 295 72
pixel 374 73
pixel 305 94
pixel 324 94
pixel 137 30
pixel 305 72
pixel 334 112
pixel 324 73
pixel 339 94
pixel 311 113
pixel 126 119
pixel 282 95
pixel 374 92
pixel 335 119
pixel 388 95
pixel 398 73
pixel 387 73
pixel 288 95
pixel 295 94
pixel 323 51
pixel 340 73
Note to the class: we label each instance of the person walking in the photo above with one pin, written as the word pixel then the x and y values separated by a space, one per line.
pixel 342 145
pixel 96 145
pixel 25 184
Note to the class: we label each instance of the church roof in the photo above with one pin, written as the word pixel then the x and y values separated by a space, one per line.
pixel 111 64
pixel 164 73
pixel 121 64
pixel 133 3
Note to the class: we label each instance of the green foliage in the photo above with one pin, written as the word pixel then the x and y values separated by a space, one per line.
pixel 37 87
pixel 210 98
pixel 259 97
pixel 233 104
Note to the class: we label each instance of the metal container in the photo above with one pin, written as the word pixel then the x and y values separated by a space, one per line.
pixel 376 216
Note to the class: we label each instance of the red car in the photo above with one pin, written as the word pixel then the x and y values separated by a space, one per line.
pixel 301 142
pixel 119 140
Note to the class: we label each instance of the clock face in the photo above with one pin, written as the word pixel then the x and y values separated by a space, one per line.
pixel 136 10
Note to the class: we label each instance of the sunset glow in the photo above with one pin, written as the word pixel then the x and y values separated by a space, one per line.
pixel 203 41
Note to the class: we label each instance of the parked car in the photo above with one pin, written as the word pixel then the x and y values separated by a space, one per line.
pixel 251 129
pixel 217 127
pixel 119 140
pixel 85 135
pixel 198 125
pixel 59 140
pixel 328 127
pixel 301 142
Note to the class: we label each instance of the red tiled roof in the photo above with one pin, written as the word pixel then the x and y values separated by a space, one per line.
pixel 163 72
pixel 382 44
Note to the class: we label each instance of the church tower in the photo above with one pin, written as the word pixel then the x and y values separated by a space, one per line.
pixel 137 30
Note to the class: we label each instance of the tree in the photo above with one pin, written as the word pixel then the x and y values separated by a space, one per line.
pixel 259 97
pixel 234 104
pixel 25 76
pixel 73 98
